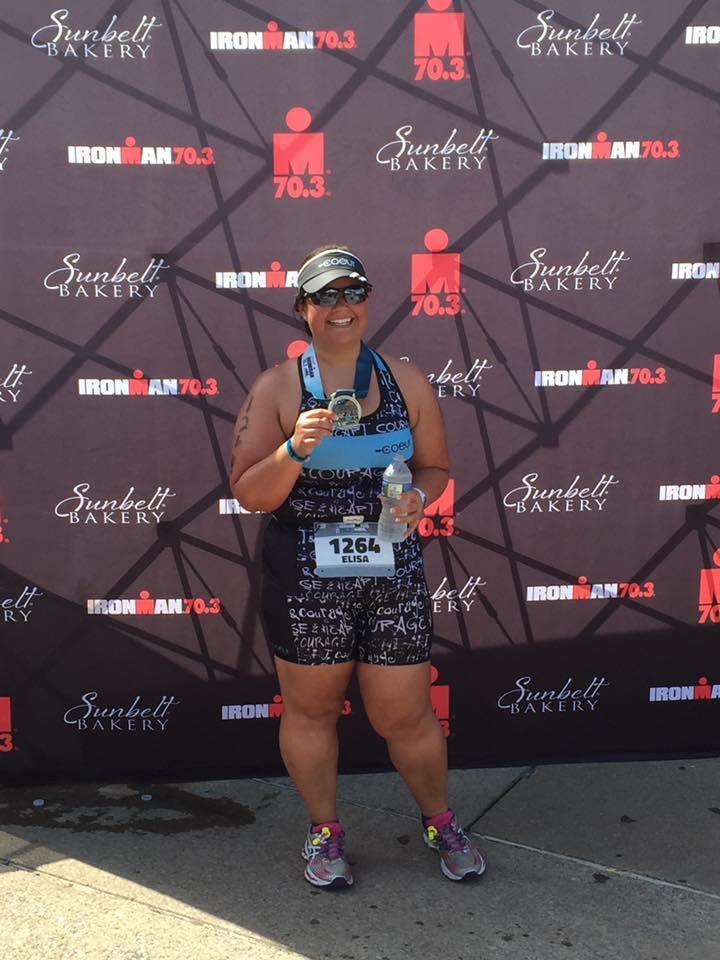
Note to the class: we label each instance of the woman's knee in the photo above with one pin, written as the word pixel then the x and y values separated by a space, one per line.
pixel 312 711
pixel 395 722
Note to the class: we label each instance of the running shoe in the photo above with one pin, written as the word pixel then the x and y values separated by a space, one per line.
pixel 459 857
pixel 327 865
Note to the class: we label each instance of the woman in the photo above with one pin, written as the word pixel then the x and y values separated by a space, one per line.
pixel 312 464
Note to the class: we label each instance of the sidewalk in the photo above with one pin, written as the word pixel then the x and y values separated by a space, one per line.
pixel 585 862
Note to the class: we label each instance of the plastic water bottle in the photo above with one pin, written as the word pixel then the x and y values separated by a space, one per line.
pixel 397 480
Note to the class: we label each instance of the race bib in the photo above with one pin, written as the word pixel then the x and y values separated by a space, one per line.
pixel 352 550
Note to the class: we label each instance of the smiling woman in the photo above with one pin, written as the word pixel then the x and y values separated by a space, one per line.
pixel 310 447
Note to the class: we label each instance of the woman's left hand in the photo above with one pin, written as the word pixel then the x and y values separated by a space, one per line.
pixel 409 510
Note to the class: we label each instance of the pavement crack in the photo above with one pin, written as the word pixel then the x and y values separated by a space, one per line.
pixel 613 871
pixel 521 776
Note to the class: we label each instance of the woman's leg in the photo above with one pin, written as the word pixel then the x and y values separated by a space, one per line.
pixel 313 697
pixel 397 702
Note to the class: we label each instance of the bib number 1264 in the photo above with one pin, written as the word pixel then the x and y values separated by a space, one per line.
pixel 354 545
pixel 352 550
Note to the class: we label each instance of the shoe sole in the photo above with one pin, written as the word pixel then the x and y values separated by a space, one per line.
pixel 470 875
pixel 337 883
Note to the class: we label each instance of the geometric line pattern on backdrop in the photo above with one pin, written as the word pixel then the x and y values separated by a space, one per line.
pixel 542 429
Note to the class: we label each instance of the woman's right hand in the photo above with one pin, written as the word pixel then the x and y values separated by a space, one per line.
pixel 311 428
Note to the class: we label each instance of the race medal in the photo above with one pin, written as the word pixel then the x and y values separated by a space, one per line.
pixel 347 409
pixel 344 403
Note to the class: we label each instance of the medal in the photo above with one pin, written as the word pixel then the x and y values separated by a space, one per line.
pixel 346 407
pixel 344 402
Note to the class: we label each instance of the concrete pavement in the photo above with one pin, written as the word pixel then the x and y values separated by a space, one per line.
pixel 586 862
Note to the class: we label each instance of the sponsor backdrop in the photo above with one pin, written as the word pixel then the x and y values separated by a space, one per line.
pixel 532 189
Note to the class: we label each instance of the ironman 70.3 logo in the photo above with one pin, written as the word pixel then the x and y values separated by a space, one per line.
pixel 435 278
pixel 6 728
pixel 299 159
pixel 439 516
pixel 4 538
pixel 439 43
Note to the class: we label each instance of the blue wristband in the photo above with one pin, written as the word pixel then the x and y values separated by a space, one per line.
pixel 292 454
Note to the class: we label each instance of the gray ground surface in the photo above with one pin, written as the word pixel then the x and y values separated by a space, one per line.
pixel 586 862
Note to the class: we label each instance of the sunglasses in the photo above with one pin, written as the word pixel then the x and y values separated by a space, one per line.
pixel 329 296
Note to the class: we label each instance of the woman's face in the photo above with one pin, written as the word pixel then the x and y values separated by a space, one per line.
pixel 342 324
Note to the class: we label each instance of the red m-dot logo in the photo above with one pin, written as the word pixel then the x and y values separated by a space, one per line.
pixel 6 740
pixel 440 699
pixel 435 278
pixel 709 593
pixel 439 518
pixel 439 43
pixel 299 159
pixel 716 384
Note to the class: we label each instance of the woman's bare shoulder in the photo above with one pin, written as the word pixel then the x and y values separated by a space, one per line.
pixel 408 375
pixel 281 377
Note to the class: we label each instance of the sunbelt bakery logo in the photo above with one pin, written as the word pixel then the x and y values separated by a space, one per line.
pixel 18 607
pixel 138 716
pixel 7 138
pixel 578 496
pixel 573 696
pixel 75 281
pixel 273 38
pixel 117 40
pixel 449 597
pixel 412 152
pixel 548 37
pixel 459 381
pixel 84 507
pixel 11 382
pixel 587 273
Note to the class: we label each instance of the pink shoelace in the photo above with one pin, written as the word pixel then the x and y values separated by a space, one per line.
pixel 453 839
pixel 451 835
pixel 332 846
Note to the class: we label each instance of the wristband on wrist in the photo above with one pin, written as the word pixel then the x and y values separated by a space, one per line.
pixel 422 495
pixel 292 454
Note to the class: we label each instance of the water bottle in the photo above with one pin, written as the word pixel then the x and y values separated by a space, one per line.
pixel 396 480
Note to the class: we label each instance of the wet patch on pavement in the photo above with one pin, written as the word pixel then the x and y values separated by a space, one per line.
pixel 120 808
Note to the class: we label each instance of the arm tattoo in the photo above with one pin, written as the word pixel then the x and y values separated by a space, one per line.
pixel 244 422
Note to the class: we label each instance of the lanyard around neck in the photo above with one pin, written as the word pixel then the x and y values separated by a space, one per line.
pixel 313 379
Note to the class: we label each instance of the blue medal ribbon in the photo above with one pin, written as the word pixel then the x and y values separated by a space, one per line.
pixel 313 379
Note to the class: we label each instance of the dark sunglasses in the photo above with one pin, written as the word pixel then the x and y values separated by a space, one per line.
pixel 328 296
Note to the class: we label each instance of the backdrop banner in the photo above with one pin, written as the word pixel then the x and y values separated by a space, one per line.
pixel 533 192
